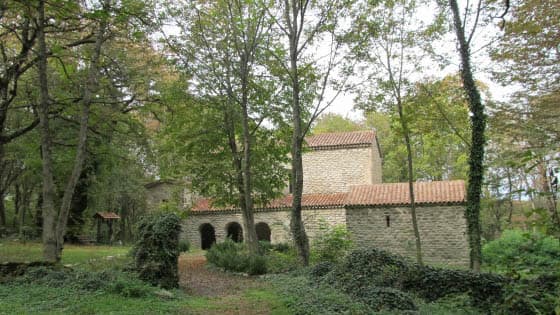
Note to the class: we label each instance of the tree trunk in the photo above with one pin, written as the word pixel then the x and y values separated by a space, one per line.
pixel 247 184
pixel 411 183
pixel 2 211
pixel 476 156
pixel 296 223
pixel 49 211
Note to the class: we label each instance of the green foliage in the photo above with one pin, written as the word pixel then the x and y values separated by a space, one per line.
pixel 523 254
pixel 156 252
pixel 281 261
pixel 382 298
pixel 111 281
pixel 537 296
pixel 304 297
pixel 330 122
pixel 236 257
pixel 331 244
pixel 184 246
pixel 363 269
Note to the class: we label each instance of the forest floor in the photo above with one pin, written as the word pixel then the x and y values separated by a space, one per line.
pixel 202 290
pixel 226 293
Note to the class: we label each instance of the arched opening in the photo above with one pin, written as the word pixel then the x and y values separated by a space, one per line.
pixel 263 231
pixel 234 232
pixel 207 235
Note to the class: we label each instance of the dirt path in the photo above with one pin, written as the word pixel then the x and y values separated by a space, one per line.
pixel 224 293
pixel 197 280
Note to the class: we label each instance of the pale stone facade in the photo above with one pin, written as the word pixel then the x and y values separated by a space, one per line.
pixel 342 185
pixel 278 221
pixel 336 170
pixel 442 231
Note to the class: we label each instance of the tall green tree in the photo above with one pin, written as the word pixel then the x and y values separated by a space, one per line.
pixel 384 37
pixel 223 46
pixel 301 24
pixel 478 138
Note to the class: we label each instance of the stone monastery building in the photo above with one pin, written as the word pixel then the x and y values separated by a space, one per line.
pixel 342 185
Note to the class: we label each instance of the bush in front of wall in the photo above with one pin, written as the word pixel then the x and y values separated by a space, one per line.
pixel 235 257
pixel 156 252
pixel 331 244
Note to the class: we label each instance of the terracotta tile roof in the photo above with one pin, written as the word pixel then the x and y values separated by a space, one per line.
pixel 393 194
pixel 107 215
pixel 341 139
pixel 439 192
pixel 309 201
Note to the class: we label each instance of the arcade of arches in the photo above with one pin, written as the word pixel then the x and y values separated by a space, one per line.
pixel 234 231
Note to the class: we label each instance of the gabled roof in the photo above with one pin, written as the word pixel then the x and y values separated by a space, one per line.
pixel 438 192
pixel 341 140
pixel 107 215
pixel 309 201
pixel 394 194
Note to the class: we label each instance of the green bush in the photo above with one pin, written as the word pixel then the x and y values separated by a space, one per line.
pixel 236 257
pixel 363 269
pixel 303 297
pixel 156 252
pixel 332 243
pixel 280 262
pixel 522 254
pixel 380 298
pixel 366 267
pixel 111 281
pixel 184 246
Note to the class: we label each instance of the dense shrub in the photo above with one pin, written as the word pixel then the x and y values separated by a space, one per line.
pixel 366 267
pixel 485 289
pixel 321 269
pixel 532 296
pixel 156 252
pixel 236 257
pixel 380 298
pixel 363 269
pixel 112 281
pixel 184 246
pixel 303 297
pixel 279 262
pixel 523 254
pixel 331 244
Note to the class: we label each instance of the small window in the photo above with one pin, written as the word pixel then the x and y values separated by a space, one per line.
pixel 388 220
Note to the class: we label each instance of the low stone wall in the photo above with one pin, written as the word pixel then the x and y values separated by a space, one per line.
pixel 278 221
pixel 442 232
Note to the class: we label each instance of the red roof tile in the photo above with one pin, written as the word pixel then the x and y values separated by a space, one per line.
pixel 308 201
pixel 107 215
pixel 440 192
pixel 341 139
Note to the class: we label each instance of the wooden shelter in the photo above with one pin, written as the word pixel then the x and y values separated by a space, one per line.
pixel 107 218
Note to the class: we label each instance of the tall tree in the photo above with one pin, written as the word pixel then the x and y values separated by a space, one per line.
pixel 384 37
pixel 478 139
pixel 223 46
pixel 302 23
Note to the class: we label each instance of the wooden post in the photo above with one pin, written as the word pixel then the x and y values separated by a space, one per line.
pixel 98 229
pixel 110 224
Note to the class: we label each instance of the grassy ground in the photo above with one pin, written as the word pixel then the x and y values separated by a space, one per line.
pixel 243 296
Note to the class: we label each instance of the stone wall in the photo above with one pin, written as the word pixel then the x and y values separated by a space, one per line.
pixel 442 231
pixel 278 221
pixel 335 170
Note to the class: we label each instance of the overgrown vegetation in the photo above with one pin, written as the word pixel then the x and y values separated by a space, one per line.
pixel 385 281
pixel 332 243
pixel 157 251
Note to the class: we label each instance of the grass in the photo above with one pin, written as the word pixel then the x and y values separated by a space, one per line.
pixel 72 254
pixel 19 297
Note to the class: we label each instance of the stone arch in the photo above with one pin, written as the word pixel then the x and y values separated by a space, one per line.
pixel 263 231
pixel 207 235
pixel 234 231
